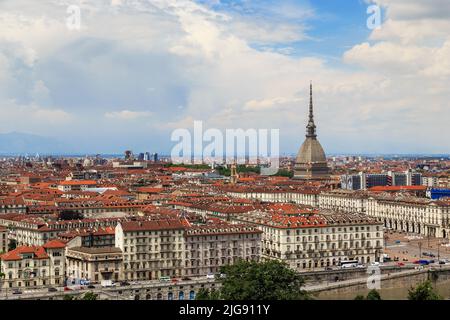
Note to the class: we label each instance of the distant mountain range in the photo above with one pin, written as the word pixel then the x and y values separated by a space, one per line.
pixel 17 143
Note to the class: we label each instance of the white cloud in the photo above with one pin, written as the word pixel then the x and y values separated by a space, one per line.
pixel 127 115
pixel 169 53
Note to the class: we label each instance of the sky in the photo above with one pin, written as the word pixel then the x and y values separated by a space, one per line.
pixel 138 69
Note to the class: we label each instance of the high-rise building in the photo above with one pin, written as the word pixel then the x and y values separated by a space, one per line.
pixel 311 162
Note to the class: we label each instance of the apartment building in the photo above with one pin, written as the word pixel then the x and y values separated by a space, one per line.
pixel 34 266
pixel 95 264
pixel 307 242
pixel 299 196
pixel 151 249
pixel 411 214
pixel 343 201
pixel 208 247
pixel 32 231
pixel 76 185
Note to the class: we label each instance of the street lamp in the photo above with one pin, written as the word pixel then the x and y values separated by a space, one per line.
pixel 420 249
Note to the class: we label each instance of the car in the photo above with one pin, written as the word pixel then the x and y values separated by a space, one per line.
pixel 400 264
pixel 67 289
pixel 432 255
pixel 223 275
pixel 210 276
pixel 375 264
pixel 51 289
pixel 174 280
pixel 124 283
pixel 425 254
pixel 17 291
pixel 328 268
pixel 186 279
pixel 91 286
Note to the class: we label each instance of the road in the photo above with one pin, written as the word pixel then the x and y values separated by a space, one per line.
pixel 78 290
pixel 410 249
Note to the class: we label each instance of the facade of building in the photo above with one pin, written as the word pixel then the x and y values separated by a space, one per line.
pixel 212 246
pixel 151 249
pixel 319 241
pixel 34 266
pixel 411 214
pixel 363 181
pixel 94 264
pixel 343 201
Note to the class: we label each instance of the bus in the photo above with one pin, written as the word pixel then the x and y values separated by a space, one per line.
pixel 349 264
pixel 164 279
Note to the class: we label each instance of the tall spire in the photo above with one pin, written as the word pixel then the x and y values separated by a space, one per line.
pixel 311 127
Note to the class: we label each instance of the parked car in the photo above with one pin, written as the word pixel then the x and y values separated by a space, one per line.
pixel 210 276
pixel 17 291
pixel 124 283
pixel 223 275
pixel 67 289
pixel 51 289
pixel 186 278
pixel 91 286
pixel 400 264
pixel 328 268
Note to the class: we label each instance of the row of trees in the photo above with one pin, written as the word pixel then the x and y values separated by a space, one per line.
pixel 87 296
pixel 274 280
pixel 250 280
pixel 423 291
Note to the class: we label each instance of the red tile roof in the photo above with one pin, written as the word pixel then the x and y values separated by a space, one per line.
pixel 54 244
pixel 38 252
pixel 77 182
pixel 165 224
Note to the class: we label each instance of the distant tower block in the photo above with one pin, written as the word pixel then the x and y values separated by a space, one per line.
pixel 311 162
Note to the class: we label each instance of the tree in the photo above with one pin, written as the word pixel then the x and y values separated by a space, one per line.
pixel 251 280
pixel 90 296
pixel 70 215
pixel 205 294
pixel 423 291
pixel 373 295
pixel 12 244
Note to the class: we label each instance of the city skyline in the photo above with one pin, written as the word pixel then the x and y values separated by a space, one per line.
pixel 135 71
